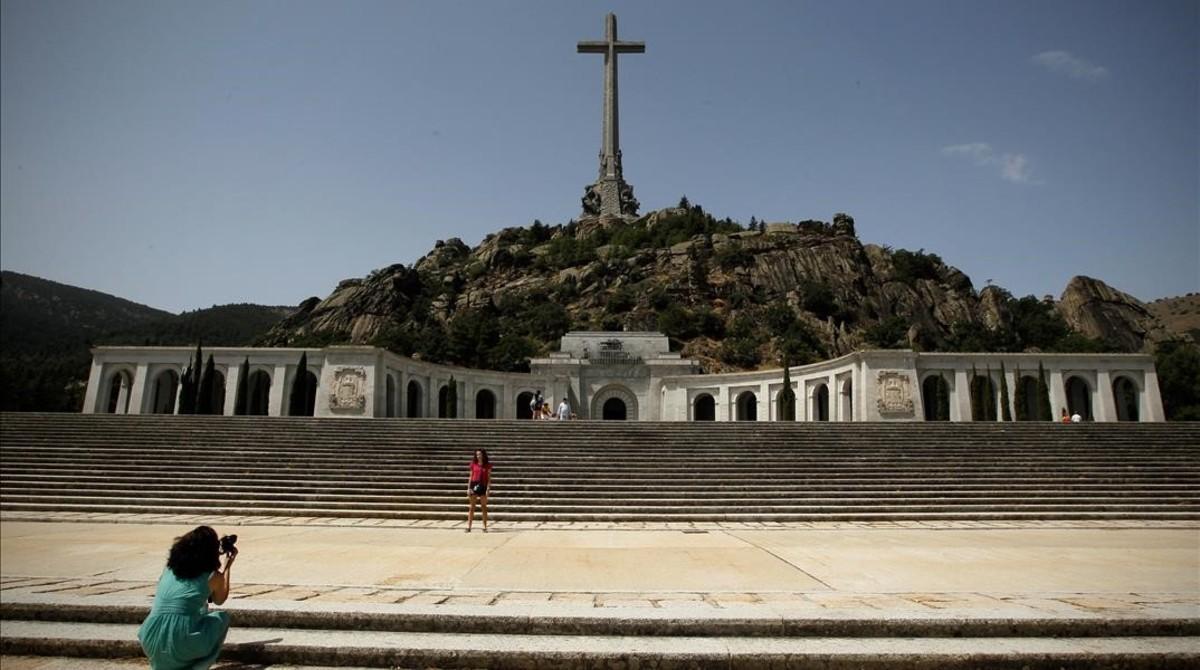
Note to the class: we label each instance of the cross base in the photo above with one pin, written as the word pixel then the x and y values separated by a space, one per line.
pixel 610 197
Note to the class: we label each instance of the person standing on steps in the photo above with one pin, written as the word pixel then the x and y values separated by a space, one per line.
pixel 564 410
pixel 180 633
pixel 477 486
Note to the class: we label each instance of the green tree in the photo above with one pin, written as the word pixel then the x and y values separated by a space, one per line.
pixel 1005 411
pixel 242 401
pixel 1045 412
pixel 299 395
pixel 1178 367
pixel 204 399
pixel 786 400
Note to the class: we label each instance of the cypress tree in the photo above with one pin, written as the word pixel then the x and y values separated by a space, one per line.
pixel 942 399
pixel 1005 411
pixel 191 380
pixel 204 396
pixel 1045 412
pixel 975 405
pixel 1019 397
pixel 241 404
pixel 786 401
pixel 298 400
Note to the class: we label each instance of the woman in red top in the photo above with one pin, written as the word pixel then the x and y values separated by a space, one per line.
pixel 477 486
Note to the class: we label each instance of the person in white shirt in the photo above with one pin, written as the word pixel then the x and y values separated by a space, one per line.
pixel 1076 418
pixel 564 410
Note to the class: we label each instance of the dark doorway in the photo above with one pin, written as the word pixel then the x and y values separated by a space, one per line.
pixel 706 408
pixel 523 409
pixel 485 405
pixel 935 396
pixel 614 410
pixel 1079 398
pixel 821 403
pixel 414 400
pixel 747 406
pixel 1125 396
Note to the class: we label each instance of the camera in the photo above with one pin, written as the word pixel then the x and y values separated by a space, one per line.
pixel 227 543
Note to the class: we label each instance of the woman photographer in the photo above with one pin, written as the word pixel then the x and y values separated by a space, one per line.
pixel 180 631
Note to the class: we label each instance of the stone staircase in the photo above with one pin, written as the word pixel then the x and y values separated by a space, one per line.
pixel 599 471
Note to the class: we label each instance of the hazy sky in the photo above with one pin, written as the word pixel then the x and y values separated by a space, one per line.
pixel 185 154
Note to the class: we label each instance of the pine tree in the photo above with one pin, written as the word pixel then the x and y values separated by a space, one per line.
pixel 297 403
pixel 1005 411
pixel 786 400
pixel 204 396
pixel 1045 412
pixel 242 402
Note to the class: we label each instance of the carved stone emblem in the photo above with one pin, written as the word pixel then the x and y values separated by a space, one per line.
pixel 349 390
pixel 894 394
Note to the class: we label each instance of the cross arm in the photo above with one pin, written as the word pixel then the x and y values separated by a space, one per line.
pixel 596 47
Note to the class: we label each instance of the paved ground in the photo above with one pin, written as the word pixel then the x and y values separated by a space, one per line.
pixel 1033 569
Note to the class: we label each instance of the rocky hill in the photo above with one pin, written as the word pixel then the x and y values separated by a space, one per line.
pixel 734 298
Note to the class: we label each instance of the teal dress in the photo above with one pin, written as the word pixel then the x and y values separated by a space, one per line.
pixel 180 633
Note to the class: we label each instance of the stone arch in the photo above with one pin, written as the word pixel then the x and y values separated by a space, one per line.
pixel 935 397
pixel 847 400
pixel 1027 391
pixel 615 391
pixel 413 394
pixel 485 404
pixel 704 408
pixel 258 393
pixel 166 388
pixel 524 398
pixel 1079 397
pixel 390 396
pixel 1126 398
pixel 746 407
pixel 820 403
pixel 983 399
pixel 118 390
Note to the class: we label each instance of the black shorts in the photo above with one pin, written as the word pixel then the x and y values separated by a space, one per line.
pixel 478 488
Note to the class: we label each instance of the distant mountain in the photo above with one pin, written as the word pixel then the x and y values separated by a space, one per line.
pixel 48 328
pixel 1181 314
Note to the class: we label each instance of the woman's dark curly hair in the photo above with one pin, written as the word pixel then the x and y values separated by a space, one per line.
pixel 475 456
pixel 195 553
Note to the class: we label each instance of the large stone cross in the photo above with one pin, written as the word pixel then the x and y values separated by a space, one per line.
pixel 610 195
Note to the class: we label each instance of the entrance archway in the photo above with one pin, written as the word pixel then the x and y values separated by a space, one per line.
pixel 935 396
pixel 309 391
pixel 414 400
pixel 1125 397
pixel 747 406
pixel 258 395
pixel 166 387
pixel 599 404
pixel 118 392
pixel 523 400
pixel 705 408
pixel 614 410
pixel 1079 398
pixel 216 399
pixel 485 404
pixel 820 410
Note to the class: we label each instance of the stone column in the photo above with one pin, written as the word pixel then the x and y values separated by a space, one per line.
pixel 721 403
pixel 764 393
pixel 1104 407
pixel 960 403
pixel 1058 394
pixel 138 395
pixel 277 401
pixel 91 397
pixel 232 374
pixel 1150 408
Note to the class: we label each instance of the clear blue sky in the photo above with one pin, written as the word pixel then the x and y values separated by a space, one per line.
pixel 185 154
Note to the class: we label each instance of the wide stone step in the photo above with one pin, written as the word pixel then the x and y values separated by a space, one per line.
pixel 467 650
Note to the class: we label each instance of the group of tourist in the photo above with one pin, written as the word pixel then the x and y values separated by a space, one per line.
pixel 539 409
